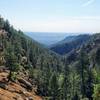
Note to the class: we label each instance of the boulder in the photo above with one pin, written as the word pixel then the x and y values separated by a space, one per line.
pixel 26 83
pixel 2 85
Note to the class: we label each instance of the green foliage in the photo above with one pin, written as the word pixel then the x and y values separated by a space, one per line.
pixel 7 26
pixel 98 56
pixel 11 62
pixel 1 22
pixel 13 76
pixel 54 87
pixel 96 94
pixel 84 67
pixel 69 43
pixel 57 78
pixel 90 85
pixel 76 97
pixel 75 84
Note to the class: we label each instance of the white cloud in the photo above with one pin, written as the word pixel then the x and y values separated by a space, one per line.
pixel 87 3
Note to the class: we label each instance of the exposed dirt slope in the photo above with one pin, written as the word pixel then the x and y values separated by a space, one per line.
pixel 14 91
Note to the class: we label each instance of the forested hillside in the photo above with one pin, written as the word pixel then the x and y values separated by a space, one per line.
pixel 69 43
pixel 26 58
pixel 55 77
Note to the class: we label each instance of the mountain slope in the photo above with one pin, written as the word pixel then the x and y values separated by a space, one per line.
pixel 12 90
pixel 69 43
pixel 23 57
pixel 47 38
pixel 91 47
pixel 30 71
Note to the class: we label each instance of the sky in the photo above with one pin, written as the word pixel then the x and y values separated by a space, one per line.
pixel 52 15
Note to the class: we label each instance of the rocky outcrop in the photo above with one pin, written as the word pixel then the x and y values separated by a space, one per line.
pixel 25 83
pixel 14 91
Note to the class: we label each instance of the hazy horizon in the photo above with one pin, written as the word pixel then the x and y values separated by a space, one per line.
pixel 49 38
pixel 53 15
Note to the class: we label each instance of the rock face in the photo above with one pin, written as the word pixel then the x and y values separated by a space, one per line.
pixel 25 83
pixel 14 91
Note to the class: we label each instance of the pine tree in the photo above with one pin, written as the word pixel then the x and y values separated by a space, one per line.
pixel 6 26
pixel 65 88
pixel 45 77
pixel 84 65
pixel 90 83
pixel 54 87
pixel 1 23
pixel 75 83
pixel 76 97
pixel 11 62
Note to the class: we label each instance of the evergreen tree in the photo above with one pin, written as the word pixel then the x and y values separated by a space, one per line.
pixel 75 83
pixel 84 64
pixel 1 23
pixel 90 85
pixel 6 26
pixel 97 58
pixel 76 97
pixel 65 88
pixel 54 87
pixel 11 62
pixel 44 81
